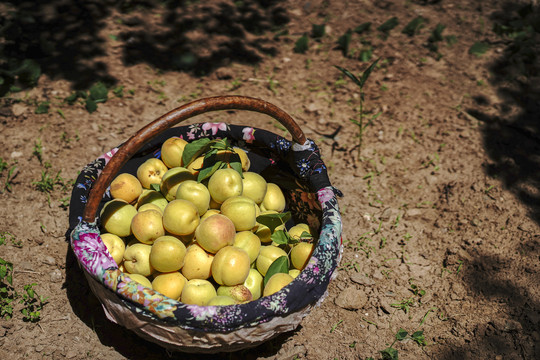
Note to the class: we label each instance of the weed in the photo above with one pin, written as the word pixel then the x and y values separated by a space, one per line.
pixel 391 353
pixel 7 292
pixel 404 304
pixel 118 91
pixel 7 236
pixel 235 84
pixel 43 107
pixel 64 202
pixel 7 186
pixel 414 26
pixel 38 150
pixel 415 289
pixel 272 85
pixel 335 326
pixel 32 304
pixel 46 184
pixel 359 120
pixel 302 44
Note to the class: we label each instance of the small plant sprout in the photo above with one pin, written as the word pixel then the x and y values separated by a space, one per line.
pixel 7 292
pixel 8 179
pixel 33 304
pixel 38 150
pixel 359 121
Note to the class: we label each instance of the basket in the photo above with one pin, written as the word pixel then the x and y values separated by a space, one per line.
pixel 295 166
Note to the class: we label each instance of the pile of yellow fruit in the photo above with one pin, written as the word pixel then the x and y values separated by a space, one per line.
pixel 190 226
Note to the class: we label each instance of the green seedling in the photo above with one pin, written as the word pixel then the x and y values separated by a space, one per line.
pixel 404 304
pixel 301 45
pixel 478 48
pixel 119 91
pixel 8 182
pixel 360 121
pixel 47 182
pixel 32 304
pixel 413 27
pixel 387 26
pixel 18 74
pixel 318 31
pixel 415 289
pixel 7 292
pixel 7 236
pixel 344 42
pixel 362 28
pixel 38 150
pixel 334 327
pixel 235 84
pixel 43 107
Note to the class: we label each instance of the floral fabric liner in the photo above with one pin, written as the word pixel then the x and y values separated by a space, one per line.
pixel 310 197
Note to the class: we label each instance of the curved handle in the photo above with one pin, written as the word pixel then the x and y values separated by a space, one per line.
pixel 156 127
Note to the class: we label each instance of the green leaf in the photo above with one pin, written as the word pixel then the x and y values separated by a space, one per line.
pixel 436 35
pixel 280 237
pixel 29 72
pixel 418 337
pixel 388 25
pixel 206 172
pixel 389 354
pixel 301 45
pixel 401 334
pixel 414 26
pixel 99 92
pixel 72 98
pixel 237 165
pixel 194 149
pixel 451 39
pixel 344 42
pixel 365 55
pixel 350 75
pixel 43 107
pixel 220 144
pixel 478 48
pixel 91 105
pixel 274 220
pixel 367 72
pixel 318 31
pixel 280 265
pixel 155 187
pixel 306 235
pixel 362 28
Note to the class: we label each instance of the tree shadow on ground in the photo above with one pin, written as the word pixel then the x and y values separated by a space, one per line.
pixel 65 38
pixel 87 307
pixel 512 142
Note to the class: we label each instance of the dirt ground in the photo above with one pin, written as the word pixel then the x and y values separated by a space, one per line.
pixel 440 212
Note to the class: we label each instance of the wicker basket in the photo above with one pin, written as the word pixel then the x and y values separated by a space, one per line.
pixel 296 166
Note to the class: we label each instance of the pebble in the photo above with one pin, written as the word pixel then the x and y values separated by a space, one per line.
pixel 49 260
pixel 18 109
pixel 362 279
pixel 56 275
pixel 413 213
pixel 351 299
pixel 16 154
pixel 71 354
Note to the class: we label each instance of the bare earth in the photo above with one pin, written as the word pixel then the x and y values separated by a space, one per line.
pixel 440 215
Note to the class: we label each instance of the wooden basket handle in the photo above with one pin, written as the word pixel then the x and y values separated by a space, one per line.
pixel 168 120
